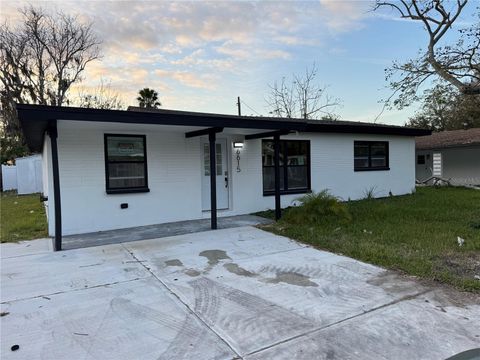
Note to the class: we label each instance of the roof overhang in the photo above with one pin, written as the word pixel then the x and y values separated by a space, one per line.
pixel 35 120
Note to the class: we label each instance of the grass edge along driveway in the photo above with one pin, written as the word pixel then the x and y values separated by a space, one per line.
pixel 415 234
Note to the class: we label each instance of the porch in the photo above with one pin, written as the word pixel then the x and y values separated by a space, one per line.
pixel 157 231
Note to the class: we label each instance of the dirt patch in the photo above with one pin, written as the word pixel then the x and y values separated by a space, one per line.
pixel 462 265
pixel 292 278
pixel 235 269
pixel 173 262
pixel 214 256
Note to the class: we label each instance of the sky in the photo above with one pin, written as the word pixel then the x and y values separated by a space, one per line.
pixel 201 55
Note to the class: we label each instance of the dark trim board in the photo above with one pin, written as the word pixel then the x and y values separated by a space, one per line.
pixel 34 120
pixel 267 134
pixel 53 133
pixel 202 132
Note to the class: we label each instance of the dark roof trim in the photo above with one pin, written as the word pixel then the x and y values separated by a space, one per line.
pixel 267 134
pixel 202 132
pixel 34 120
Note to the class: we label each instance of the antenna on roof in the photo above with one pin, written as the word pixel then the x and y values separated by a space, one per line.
pixel 239 106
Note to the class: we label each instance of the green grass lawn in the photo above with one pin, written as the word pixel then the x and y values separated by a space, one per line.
pixel 416 234
pixel 22 217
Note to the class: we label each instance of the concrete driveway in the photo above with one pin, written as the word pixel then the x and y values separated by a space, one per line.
pixel 233 293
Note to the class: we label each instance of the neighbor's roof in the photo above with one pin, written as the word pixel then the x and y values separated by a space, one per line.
pixel 447 139
pixel 35 121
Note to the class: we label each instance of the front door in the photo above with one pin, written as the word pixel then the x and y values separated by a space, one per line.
pixel 221 174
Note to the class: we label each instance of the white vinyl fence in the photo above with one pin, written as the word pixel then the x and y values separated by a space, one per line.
pixel 9 177
pixel 25 176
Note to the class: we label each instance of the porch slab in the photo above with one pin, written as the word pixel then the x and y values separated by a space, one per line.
pixel 157 231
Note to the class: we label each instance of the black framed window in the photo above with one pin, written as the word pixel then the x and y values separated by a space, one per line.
pixel 294 166
pixel 125 163
pixel 371 155
pixel 421 159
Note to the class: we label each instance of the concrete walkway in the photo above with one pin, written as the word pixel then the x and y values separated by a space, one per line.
pixel 233 293
pixel 157 231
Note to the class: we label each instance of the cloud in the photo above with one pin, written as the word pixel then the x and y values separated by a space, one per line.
pixel 346 15
pixel 183 46
pixel 252 52
pixel 203 81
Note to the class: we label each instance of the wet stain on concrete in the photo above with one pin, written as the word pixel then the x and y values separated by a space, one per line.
pixel 292 278
pixel 235 269
pixel 192 272
pixel 173 262
pixel 391 283
pixel 214 256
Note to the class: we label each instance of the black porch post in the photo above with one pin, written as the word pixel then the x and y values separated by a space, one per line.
pixel 52 132
pixel 213 181
pixel 276 147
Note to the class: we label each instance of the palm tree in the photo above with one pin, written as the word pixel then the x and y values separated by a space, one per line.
pixel 148 98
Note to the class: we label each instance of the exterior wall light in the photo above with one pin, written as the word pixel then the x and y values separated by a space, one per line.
pixel 238 145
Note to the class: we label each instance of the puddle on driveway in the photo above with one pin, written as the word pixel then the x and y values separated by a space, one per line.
pixel 173 262
pixel 214 256
pixel 292 278
pixel 235 269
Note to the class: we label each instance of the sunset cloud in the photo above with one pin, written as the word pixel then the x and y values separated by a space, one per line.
pixel 201 55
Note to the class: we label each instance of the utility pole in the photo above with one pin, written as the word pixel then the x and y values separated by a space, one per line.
pixel 305 104
pixel 239 107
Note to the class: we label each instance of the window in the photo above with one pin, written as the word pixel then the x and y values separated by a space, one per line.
pixel 421 159
pixel 218 159
pixel 370 155
pixel 294 167
pixel 125 163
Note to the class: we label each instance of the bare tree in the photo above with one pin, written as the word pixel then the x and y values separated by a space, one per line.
pixel 302 97
pixel 45 55
pixel 102 97
pixel 40 59
pixel 458 64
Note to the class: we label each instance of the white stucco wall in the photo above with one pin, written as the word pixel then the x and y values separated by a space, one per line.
pixel 174 175
pixel 460 165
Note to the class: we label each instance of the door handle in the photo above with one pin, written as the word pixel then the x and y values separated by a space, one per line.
pixel 226 181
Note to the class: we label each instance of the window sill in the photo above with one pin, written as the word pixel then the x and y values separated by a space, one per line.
pixel 288 192
pixel 127 191
pixel 372 169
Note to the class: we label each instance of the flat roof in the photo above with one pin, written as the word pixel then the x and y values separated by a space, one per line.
pixel 35 120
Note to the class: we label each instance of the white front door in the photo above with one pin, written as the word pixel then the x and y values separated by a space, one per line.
pixel 221 174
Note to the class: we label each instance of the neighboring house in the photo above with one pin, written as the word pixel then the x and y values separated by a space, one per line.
pixel 450 155
pixel 110 169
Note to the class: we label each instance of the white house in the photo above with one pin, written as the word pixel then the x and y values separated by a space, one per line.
pixel 450 155
pixel 110 169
